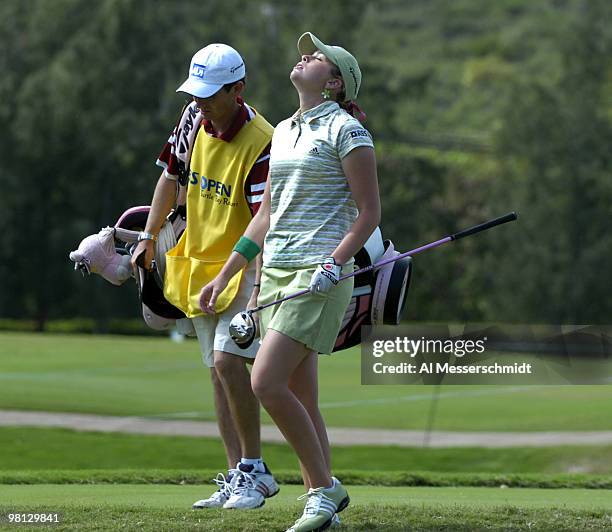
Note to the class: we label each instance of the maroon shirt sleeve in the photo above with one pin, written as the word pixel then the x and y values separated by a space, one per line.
pixel 255 182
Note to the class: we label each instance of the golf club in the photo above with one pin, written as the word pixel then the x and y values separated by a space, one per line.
pixel 243 328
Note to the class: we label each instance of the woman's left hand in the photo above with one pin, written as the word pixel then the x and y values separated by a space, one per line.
pixel 325 277
pixel 253 304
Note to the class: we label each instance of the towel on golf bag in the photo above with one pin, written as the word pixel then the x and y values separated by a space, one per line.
pixel 180 144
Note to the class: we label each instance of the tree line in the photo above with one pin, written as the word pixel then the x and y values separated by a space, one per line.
pixel 476 108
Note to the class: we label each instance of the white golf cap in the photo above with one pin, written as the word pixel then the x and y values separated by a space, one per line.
pixel 211 68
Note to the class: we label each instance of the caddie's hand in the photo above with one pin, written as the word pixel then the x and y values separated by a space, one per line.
pixel 147 249
pixel 325 276
pixel 210 293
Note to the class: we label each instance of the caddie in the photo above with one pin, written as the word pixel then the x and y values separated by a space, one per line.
pixel 219 153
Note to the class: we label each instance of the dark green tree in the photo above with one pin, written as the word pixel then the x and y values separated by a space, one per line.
pixel 556 147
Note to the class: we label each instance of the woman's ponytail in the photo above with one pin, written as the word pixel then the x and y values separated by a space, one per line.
pixel 354 110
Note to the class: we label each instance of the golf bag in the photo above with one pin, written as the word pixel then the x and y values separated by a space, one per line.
pixel 158 313
pixel 108 254
pixel 379 296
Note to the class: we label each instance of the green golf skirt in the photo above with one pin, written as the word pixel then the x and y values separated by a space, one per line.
pixel 311 319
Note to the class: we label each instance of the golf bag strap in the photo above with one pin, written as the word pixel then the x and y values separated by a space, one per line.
pixel 125 235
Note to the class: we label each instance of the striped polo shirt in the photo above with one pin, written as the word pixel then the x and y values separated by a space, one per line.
pixel 312 208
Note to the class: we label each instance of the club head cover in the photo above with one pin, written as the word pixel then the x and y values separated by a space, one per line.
pixel 97 254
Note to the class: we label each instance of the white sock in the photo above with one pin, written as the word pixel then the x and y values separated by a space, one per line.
pixel 257 463
pixel 333 484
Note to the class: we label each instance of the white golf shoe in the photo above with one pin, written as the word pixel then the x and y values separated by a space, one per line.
pixel 250 489
pixel 322 508
pixel 222 495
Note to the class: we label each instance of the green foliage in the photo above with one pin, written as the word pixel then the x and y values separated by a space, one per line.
pixel 556 137
pixel 477 108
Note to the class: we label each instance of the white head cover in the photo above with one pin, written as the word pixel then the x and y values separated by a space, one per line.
pixel 375 246
pixel 390 289
pixel 379 295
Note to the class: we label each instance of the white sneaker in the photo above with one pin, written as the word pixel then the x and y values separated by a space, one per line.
pixel 335 523
pixel 250 489
pixel 221 496
pixel 322 507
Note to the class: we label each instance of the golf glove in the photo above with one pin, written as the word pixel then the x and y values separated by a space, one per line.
pixel 325 276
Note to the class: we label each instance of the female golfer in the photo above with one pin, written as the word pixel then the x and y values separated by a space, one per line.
pixel 320 205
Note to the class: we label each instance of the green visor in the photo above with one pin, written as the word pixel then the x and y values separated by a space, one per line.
pixel 351 74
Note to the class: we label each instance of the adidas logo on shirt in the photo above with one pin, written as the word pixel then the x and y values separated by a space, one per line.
pixel 314 151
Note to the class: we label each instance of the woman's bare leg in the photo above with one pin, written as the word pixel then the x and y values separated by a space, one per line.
pixel 304 384
pixel 277 359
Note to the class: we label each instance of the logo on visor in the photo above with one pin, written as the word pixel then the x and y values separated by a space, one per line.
pixel 197 70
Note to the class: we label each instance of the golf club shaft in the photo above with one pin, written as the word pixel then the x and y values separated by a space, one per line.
pixel 456 236
pixel 511 216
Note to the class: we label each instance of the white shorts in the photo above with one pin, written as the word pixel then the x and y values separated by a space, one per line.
pixel 213 331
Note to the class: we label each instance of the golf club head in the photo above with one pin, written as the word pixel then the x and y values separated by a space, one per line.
pixel 242 329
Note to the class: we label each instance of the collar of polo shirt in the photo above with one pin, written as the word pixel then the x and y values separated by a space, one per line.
pixel 316 112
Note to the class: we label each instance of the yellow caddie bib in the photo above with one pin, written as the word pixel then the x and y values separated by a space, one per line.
pixel 217 214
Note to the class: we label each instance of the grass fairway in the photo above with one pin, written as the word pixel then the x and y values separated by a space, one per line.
pixel 106 481
pixel 163 507
pixel 155 377
pixel 30 449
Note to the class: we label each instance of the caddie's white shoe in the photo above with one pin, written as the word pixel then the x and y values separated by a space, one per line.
pixel 221 496
pixel 250 488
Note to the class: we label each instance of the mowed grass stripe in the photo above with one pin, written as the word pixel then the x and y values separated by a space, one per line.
pixel 288 477
pixel 144 376
pixel 59 449
pixel 168 508
pixel 181 497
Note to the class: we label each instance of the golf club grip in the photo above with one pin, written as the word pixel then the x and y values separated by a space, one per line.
pixel 511 216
